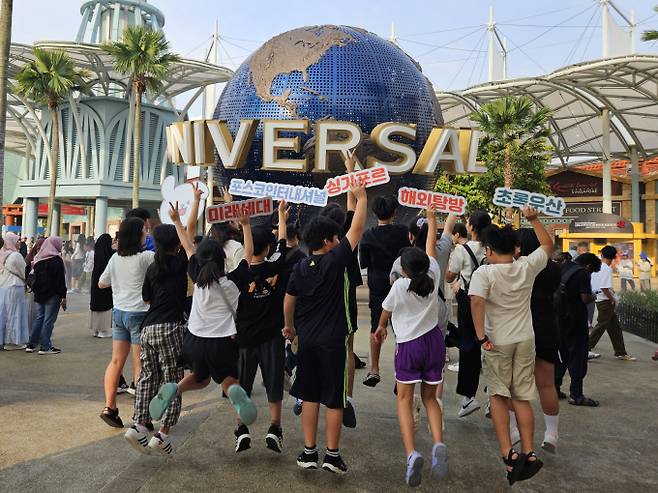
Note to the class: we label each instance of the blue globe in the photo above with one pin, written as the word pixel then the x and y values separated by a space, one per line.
pixel 328 72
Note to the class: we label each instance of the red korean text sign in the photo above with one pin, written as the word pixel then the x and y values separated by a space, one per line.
pixel 370 177
pixel 232 211
pixel 422 199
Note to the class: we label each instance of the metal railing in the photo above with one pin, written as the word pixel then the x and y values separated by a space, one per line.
pixel 638 320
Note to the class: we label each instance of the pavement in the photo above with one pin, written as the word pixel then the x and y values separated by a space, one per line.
pixel 52 439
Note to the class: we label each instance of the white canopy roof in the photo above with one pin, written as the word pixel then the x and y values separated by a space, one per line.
pixel 627 86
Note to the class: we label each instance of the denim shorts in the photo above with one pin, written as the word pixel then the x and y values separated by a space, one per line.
pixel 127 326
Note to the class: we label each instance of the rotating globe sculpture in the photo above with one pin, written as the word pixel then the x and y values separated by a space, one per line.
pixel 328 72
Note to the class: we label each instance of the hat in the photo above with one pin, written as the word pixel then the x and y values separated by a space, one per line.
pixel 643 256
pixel 624 254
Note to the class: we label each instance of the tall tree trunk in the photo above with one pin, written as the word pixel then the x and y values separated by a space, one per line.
pixel 5 43
pixel 137 137
pixel 54 119
pixel 508 176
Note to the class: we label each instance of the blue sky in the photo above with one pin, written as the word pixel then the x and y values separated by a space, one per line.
pixel 446 37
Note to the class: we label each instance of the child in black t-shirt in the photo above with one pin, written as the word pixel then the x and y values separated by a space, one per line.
pixel 316 305
pixel 259 321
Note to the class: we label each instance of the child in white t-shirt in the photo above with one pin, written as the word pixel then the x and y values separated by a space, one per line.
pixel 413 304
pixel 500 303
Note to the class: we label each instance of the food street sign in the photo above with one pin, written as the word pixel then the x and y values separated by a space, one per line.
pixel 232 211
pixel 194 143
pixel 509 197
pixel 422 199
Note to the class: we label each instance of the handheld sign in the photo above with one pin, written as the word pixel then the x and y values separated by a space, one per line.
pixel 510 197
pixel 295 194
pixel 422 199
pixel 370 177
pixel 232 211
pixel 183 195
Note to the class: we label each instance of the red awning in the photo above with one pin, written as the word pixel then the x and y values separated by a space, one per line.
pixel 69 210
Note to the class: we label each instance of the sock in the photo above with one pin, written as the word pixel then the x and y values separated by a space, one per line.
pixel 333 452
pixel 163 435
pixel 551 424
pixel 310 450
pixel 141 428
pixel 512 421
pixel 409 456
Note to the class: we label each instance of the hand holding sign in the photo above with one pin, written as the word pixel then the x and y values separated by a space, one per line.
pixel 510 197
pixel 530 213
pixel 183 195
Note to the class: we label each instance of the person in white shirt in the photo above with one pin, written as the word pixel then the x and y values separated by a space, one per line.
pixel 125 274
pixel 625 269
pixel 413 303
pixel 605 306
pixel 500 303
pixel 14 329
pixel 644 266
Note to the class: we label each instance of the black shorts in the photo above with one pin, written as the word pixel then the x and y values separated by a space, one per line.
pixel 215 357
pixel 375 305
pixel 321 375
pixel 353 308
pixel 270 357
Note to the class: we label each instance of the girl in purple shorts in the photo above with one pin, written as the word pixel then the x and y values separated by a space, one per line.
pixel 413 305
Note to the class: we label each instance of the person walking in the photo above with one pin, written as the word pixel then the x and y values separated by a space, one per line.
pixel 645 266
pixel 49 287
pixel 29 294
pixel 14 331
pixel 625 269
pixel 87 265
pixel 605 305
pixel 77 263
pixel 125 274
pixel 100 300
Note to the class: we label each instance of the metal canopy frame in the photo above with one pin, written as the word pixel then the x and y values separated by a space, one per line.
pixel 24 125
pixel 627 86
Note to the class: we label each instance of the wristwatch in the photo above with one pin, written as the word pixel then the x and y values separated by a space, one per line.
pixel 482 341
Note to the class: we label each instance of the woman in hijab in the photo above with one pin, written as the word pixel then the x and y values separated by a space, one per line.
pixel 100 302
pixel 49 289
pixel 29 296
pixel 14 331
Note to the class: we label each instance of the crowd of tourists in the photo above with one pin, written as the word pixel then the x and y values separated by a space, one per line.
pixel 189 309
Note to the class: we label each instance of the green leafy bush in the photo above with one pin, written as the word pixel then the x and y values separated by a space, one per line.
pixel 643 301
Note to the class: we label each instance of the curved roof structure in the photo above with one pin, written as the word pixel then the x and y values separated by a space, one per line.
pixel 22 118
pixel 627 86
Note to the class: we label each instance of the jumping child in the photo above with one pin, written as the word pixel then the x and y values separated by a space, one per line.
pixel 413 302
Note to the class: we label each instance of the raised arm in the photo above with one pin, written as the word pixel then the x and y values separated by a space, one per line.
pixel 350 163
pixel 430 243
pixel 248 239
pixel 185 240
pixel 194 211
pixel 449 225
pixel 284 210
pixel 545 240
pixel 359 222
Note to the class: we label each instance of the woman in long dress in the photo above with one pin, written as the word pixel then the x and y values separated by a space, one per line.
pixel 100 301
pixel 14 331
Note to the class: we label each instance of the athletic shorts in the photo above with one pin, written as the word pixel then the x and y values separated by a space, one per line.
pixel 375 305
pixel 509 370
pixel 353 308
pixel 270 357
pixel 421 359
pixel 321 375
pixel 215 357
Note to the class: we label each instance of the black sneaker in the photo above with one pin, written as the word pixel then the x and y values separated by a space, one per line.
pixel 29 348
pixel 122 388
pixel 242 439
pixel 334 464
pixel 274 438
pixel 349 418
pixel 307 461
pixel 51 350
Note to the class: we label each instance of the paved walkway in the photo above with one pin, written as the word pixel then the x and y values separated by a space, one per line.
pixel 51 438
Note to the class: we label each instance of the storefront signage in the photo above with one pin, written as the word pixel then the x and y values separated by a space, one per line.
pixel 195 143
pixel 575 209
pixel 599 222
pixel 571 184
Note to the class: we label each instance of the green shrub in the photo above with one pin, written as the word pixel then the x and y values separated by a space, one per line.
pixel 643 301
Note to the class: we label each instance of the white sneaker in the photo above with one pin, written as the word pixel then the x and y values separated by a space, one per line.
pixel 592 355
pixel 454 367
pixel 139 440
pixel 550 443
pixel 470 407
pixel 514 435
pixel 161 446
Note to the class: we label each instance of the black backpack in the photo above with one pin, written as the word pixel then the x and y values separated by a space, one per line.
pixel 466 329
pixel 564 314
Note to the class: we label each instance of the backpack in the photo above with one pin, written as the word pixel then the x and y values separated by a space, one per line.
pixel 465 328
pixel 565 318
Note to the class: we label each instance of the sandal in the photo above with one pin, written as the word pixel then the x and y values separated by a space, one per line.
pixel 583 401
pixel 372 379
pixel 531 467
pixel 516 465
pixel 111 417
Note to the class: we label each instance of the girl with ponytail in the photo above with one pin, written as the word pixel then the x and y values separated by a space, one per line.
pixel 413 305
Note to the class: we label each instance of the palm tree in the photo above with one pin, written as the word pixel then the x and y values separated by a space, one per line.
pixel 143 55
pixel 5 43
pixel 650 35
pixel 515 133
pixel 49 80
